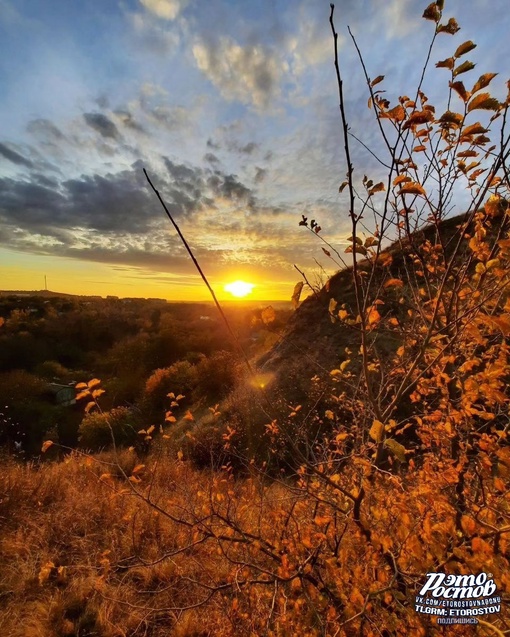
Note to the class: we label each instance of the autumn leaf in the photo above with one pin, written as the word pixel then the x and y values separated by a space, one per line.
pixel 373 316
pixel 460 89
pixel 371 241
pixel 189 416
pixel 451 27
pixel 473 129
pixel 432 12
pixel 378 79
pixel 464 48
pixel 463 68
pixel 296 294
pixel 412 188
pixel 449 63
pixel 394 283
pixel 138 468
pixel 483 81
pixel 398 450
pixel 81 386
pixel 93 383
pixel 90 405
pixel 377 188
pixel 397 113
pixel 46 445
pixel 401 178
pixel 483 101
pixel 376 431
pixel 450 117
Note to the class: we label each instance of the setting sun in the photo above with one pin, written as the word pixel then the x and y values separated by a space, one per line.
pixel 239 288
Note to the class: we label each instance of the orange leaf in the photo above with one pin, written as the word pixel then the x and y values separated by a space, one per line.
pixel 460 89
pixel 46 445
pixel 93 383
pixel 373 316
pixel 474 129
pixel 394 283
pixel 464 48
pixel 483 81
pixel 449 63
pixel 398 113
pixel 400 179
pixel 483 101
pixel 377 188
pixel 378 79
pixel 412 188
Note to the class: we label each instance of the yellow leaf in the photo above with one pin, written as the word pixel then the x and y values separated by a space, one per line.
pixel 373 316
pixel 376 431
pixel 46 445
pixel 398 450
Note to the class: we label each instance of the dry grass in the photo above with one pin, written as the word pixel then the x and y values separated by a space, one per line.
pixel 83 555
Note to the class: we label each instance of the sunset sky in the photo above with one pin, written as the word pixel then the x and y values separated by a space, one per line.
pixel 230 105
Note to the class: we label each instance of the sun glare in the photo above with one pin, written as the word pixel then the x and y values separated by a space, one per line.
pixel 239 288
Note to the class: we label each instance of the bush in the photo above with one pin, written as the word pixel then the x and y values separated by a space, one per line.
pixel 216 375
pixel 180 378
pixel 98 428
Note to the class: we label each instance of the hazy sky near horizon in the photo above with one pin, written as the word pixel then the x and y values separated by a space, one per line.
pixel 232 108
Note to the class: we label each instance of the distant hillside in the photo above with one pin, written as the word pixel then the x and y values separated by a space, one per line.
pixel 313 345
